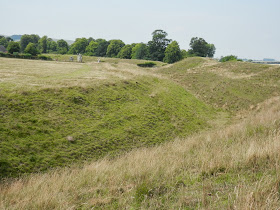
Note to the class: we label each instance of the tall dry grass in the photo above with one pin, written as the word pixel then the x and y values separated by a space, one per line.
pixel 236 167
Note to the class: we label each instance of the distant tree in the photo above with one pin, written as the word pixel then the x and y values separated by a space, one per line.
pixel 114 48
pixel 91 48
pixel 62 46
pixel 101 49
pixel 133 44
pixel 140 51
pixel 9 39
pixel 211 50
pixel 4 42
pixel 26 39
pixel 90 39
pixel 157 46
pixel 13 47
pixel 51 46
pixel 125 52
pixel 184 53
pixel 228 58
pixel 172 53
pixel 200 47
pixel 31 49
pixel 79 46
pixel 43 44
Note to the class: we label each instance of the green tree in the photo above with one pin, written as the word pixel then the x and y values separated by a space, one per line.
pixel 211 50
pixel 200 47
pixel 90 39
pixel 51 46
pixel 9 39
pixel 79 46
pixel 4 42
pixel 43 44
pixel 114 48
pixel 31 49
pixel 13 47
pixel 91 48
pixel 101 49
pixel 157 46
pixel 184 53
pixel 172 53
pixel 62 46
pixel 26 39
pixel 140 51
pixel 125 52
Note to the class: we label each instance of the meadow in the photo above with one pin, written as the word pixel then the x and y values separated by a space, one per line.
pixel 197 134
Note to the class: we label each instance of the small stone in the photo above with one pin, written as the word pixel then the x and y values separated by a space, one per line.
pixel 70 138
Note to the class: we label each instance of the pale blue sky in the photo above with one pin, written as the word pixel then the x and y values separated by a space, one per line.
pixel 247 28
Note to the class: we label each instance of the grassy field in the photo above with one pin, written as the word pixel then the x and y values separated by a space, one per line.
pixel 223 120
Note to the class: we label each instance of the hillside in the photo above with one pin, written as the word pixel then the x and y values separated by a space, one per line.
pixel 223 119
pixel 56 114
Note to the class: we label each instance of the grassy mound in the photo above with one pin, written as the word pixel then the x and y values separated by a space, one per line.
pixel 233 86
pixel 56 127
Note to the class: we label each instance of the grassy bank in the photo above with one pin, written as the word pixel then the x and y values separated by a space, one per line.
pixel 43 128
pixel 233 168
pixel 233 86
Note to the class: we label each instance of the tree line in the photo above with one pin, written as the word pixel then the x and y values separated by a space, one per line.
pixel 160 48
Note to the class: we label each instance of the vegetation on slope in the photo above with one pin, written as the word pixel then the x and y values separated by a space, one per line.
pixel 49 127
pixel 233 168
pixel 233 86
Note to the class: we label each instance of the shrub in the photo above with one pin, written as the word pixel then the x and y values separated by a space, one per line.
pixel 43 57
pixel 25 55
pixel 2 54
pixel 228 58
pixel 147 64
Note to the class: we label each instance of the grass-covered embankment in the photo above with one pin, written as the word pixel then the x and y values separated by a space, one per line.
pixel 232 168
pixel 102 119
pixel 233 86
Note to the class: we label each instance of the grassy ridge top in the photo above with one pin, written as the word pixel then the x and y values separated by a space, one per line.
pixel 233 86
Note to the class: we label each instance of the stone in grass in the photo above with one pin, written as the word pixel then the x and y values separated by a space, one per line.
pixel 70 138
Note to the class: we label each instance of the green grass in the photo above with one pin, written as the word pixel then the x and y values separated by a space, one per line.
pixel 112 115
pixel 103 120
pixel 231 165
pixel 243 67
pixel 222 89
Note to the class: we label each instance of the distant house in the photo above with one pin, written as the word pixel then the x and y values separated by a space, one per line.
pixel 3 49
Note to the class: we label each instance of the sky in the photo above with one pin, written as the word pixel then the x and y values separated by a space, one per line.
pixel 246 28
